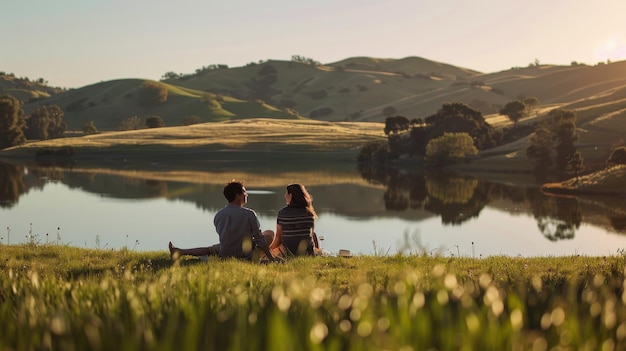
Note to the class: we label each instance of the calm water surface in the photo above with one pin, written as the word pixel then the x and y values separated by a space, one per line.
pixel 365 212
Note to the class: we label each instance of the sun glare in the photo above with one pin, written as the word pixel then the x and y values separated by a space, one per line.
pixel 612 49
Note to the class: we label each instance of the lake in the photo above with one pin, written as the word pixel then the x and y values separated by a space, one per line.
pixel 366 211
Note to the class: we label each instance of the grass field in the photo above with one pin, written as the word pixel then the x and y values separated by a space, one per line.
pixel 256 137
pixel 57 297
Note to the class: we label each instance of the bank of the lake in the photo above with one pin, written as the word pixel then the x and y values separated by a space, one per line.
pixel 609 181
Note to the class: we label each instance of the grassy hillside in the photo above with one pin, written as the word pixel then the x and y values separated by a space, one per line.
pixel 358 89
pixel 354 89
pixel 405 66
pixel 255 139
pixel 25 89
pixel 108 103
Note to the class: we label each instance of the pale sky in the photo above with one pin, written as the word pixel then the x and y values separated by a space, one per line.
pixel 73 43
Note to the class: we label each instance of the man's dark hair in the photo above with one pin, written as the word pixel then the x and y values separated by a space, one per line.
pixel 232 189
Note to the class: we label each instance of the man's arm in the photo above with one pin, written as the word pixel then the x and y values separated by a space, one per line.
pixel 261 243
pixel 259 239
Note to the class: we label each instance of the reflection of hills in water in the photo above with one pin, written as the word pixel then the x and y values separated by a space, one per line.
pixel 380 193
pixel 341 192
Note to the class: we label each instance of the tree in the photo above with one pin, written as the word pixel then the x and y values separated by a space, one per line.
pixel 531 101
pixel 575 165
pixel 397 124
pixel 557 133
pixel 540 148
pixel 171 75
pixel 460 118
pixel 37 124
pixel 450 147
pixel 46 122
pixel 56 127
pixel 131 123
pixel 515 110
pixel 11 122
pixel 564 134
pixel 89 128
pixel 193 119
pixel 374 151
pixel 152 93
pixel 417 122
pixel 155 122
pixel 419 139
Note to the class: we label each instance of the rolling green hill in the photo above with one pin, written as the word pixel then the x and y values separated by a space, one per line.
pixel 108 103
pixel 359 89
pixel 25 89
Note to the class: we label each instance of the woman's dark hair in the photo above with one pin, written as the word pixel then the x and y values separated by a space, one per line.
pixel 301 198
pixel 232 189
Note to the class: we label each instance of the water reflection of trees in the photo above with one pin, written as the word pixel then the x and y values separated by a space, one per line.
pixel 17 180
pixel 457 199
pixel 557 217
pixel 11 184
pixel 618 222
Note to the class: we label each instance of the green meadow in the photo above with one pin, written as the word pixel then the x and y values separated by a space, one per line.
pixel 54 297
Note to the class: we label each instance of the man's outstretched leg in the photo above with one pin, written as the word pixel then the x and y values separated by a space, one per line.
pixel 176 253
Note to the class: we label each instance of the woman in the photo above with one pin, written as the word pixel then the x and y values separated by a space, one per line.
pixel 295 223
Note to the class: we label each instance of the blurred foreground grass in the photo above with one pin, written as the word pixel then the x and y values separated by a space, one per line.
pixel 63 298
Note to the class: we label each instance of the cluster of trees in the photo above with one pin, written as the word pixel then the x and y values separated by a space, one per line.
pixel 454 132
pixel 155 122
pixel 136 122
pixel 554 143
pixel 449 146
pixel 305 60
pixel 46 122
pixel 40 81
pixel 457 132
pixel 173 75
pixel 12 122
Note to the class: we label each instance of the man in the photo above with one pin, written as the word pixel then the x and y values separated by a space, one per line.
pixel 237 226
